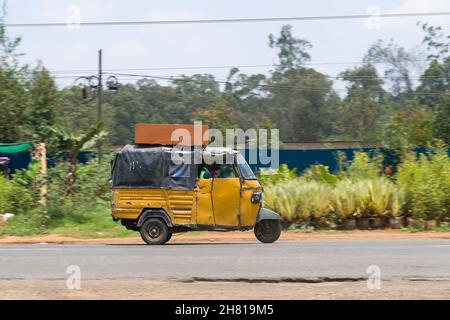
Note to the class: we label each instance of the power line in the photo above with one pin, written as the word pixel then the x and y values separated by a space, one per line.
pixel 58 72
pixel 230 20
pixel 206 67
pixel 259 85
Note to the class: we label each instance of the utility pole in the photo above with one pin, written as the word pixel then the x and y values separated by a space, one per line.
pixel 96 84
pixel 99 98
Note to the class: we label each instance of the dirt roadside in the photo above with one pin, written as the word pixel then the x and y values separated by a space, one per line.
pixel 238 237
pixel 170 289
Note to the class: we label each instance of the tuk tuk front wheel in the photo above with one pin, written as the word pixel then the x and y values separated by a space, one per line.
pixel 155 231
pixel 268 231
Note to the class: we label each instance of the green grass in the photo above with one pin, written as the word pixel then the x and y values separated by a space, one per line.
pixel 84 222
pixel 96 223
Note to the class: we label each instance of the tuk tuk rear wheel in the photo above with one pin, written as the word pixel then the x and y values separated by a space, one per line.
pixel 268 231
pixel 155 231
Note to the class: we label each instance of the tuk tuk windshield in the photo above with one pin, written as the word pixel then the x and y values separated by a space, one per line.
pixel 244 168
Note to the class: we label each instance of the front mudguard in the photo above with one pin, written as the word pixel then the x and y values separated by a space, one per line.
pixel 266 214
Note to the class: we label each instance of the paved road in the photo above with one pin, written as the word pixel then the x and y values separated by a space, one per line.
pixel 311 259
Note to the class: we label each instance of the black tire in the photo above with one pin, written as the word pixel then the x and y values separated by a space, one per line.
pixel 268 231
pixel 155 231
pixel 170 236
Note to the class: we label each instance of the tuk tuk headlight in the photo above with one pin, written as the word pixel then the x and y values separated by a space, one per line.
pixel 256 197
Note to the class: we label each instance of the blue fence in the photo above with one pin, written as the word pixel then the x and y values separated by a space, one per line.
pixel 300 159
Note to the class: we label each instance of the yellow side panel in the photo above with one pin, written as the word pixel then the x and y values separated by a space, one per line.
pixel 181 204
pixel 205 214
pixel 226 196
pixel 249 210
pixel 128 203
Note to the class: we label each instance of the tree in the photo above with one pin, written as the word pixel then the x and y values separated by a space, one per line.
pixel 364 107
pixel 63 141
pixel 407 128
pixel 438 44
pixel 300 100
pixel 397 63
pixel 291 51
pixel 13 96
pixel 302 103
pixel 27 103
pixel 434 90
pixel 42 110
pixel 219 115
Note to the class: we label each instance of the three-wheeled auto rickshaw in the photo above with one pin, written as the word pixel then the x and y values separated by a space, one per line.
pixel 158 196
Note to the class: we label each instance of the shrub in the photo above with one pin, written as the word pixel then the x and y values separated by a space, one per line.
pixel 385 198
pixel 14 198
pixel 320 173
pixel 271 176
pixel 298 200
pixel 363 166
pixel 92 185
pixel 378 197
pixel 91 191
pixel 346 199
pixel 29 223
pixel 426 180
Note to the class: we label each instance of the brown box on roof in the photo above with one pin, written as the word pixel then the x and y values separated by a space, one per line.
pixel 170 134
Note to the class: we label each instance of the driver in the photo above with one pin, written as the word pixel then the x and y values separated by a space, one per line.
pixel 210 171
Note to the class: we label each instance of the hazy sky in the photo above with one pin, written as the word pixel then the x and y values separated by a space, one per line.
pixel 207 45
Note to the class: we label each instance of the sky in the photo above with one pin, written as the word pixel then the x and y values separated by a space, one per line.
pixel 337 44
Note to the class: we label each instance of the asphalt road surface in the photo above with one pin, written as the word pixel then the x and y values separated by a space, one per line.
pixel 251 261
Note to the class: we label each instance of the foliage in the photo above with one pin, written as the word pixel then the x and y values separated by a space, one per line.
pixel 31 223
pixel 373 197
pixel 426 179
pixel 14 197
pixel 292 51
pixel 411 127
pixel 271 176
pixel 26 102
pixel 91 192
pixel 89 221
pixel 363 166
pixel 366 99
pixel 64 141
pixel 320 173
pixel 219 115
pixel 26 177
pixel 398 64
pixel 298 200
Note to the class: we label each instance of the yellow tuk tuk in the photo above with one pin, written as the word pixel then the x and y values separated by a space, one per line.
pixel 158 196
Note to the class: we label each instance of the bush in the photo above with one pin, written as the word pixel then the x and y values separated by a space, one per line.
pixel 14 198
pixel 30 223
pixel 302 201
pixel 378 197
pixel 363 166
pixel 320 173
pixel 426 180
pixel 91 186
pixel 91 191
pixel 272 176
pixel 298 200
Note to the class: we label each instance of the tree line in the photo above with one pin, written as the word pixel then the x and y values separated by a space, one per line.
pixel 383 101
